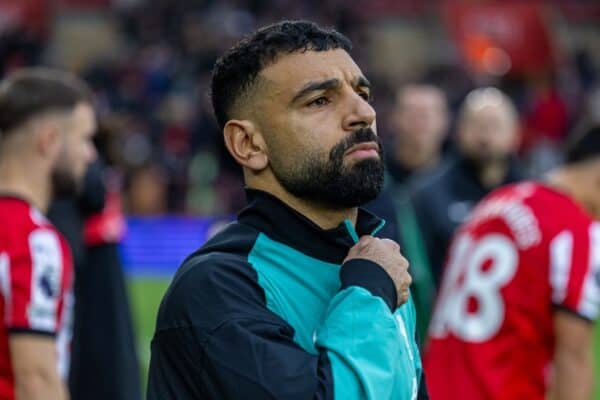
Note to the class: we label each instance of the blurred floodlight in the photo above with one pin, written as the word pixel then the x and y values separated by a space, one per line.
pixel 496 61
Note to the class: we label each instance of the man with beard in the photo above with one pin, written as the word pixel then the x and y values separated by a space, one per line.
pixel 487 139
pixel 103 362
pixel 46 128
pixel 297 299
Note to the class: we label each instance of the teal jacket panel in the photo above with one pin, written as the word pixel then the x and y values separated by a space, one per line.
pixel 369 347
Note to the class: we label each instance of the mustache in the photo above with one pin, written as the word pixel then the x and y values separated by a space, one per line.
pixel 363 135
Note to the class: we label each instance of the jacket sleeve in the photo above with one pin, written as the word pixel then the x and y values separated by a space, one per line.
pixel 217 339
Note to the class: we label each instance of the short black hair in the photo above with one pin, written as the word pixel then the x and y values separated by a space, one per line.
pixel 583 144
pixel 237 69
pixel 29 92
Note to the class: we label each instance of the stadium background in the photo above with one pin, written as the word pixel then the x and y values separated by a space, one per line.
pixel 149 62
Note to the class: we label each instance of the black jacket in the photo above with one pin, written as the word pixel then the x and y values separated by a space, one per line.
pixel 267 309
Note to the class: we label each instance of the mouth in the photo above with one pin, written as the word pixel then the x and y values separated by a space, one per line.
pixel 363 150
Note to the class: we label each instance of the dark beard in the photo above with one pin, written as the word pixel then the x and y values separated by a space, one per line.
pixel 331 183
pixel 64 184
pixel 479 163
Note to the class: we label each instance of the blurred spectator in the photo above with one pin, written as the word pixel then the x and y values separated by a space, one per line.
pixel 487 141
pixel 546 121
pixel 420 125
pixel 420 121
pixel 104 361
pixel 545 114
pixel 146 191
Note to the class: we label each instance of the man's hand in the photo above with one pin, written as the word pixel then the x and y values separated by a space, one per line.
pixel 386 254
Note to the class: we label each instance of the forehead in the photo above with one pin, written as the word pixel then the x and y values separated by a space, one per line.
pixel 489 113
pixel 293 71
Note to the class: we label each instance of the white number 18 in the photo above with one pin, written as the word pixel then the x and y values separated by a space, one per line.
pixel 476 272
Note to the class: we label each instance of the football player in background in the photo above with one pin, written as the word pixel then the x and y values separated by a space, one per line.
pixel 521 289
pixel 46 128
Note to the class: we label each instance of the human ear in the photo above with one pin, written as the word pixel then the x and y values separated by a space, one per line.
pixel 48 140
pixel 246 144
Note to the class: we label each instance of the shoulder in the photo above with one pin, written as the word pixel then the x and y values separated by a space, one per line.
pixel 541 211
pixel 25 228
pixel 214 283
pixel 556 209
pixel 17 213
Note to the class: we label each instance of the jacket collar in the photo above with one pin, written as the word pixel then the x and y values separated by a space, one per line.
pixel 280 222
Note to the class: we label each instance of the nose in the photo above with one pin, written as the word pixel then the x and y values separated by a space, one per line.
pixel 360 113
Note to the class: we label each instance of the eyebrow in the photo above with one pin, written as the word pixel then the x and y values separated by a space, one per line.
pixel 361 81
pixel 317 86
pixel 328 84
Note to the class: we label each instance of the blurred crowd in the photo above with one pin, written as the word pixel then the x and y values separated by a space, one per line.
pixel 152 74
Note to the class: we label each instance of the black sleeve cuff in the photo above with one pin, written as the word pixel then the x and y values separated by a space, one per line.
pixel 369 275
pixel 29 331
pixel 562 308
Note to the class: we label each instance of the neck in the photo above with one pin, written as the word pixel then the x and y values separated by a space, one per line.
pixel 321 215
pixel 567 181
pixel 493 174
pixel 20 179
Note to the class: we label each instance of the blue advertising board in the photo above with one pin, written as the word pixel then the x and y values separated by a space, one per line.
pixel 156 246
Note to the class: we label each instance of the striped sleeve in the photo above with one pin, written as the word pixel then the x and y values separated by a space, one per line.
pixel 575 270
pixel 31 275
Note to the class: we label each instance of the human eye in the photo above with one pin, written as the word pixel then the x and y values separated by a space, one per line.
pixel 319 102
pixel 366 96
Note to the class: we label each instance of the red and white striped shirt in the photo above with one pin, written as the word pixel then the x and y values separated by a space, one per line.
pixel 36 275
pixel 525 250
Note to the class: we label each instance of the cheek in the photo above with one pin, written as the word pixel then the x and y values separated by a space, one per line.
pixel 75 158
pixel 62 156
pixel 294 144
pixel 63 163
pixel 322 129
pixel 315 134
pixel 506 141
pixel 90 152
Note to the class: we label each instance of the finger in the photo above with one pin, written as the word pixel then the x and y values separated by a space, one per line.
pixel 391 244
pixel 364 242
pixel 403 297
pixel 404 264
pixel 408 279
pixel 365 239
pixel 358 247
